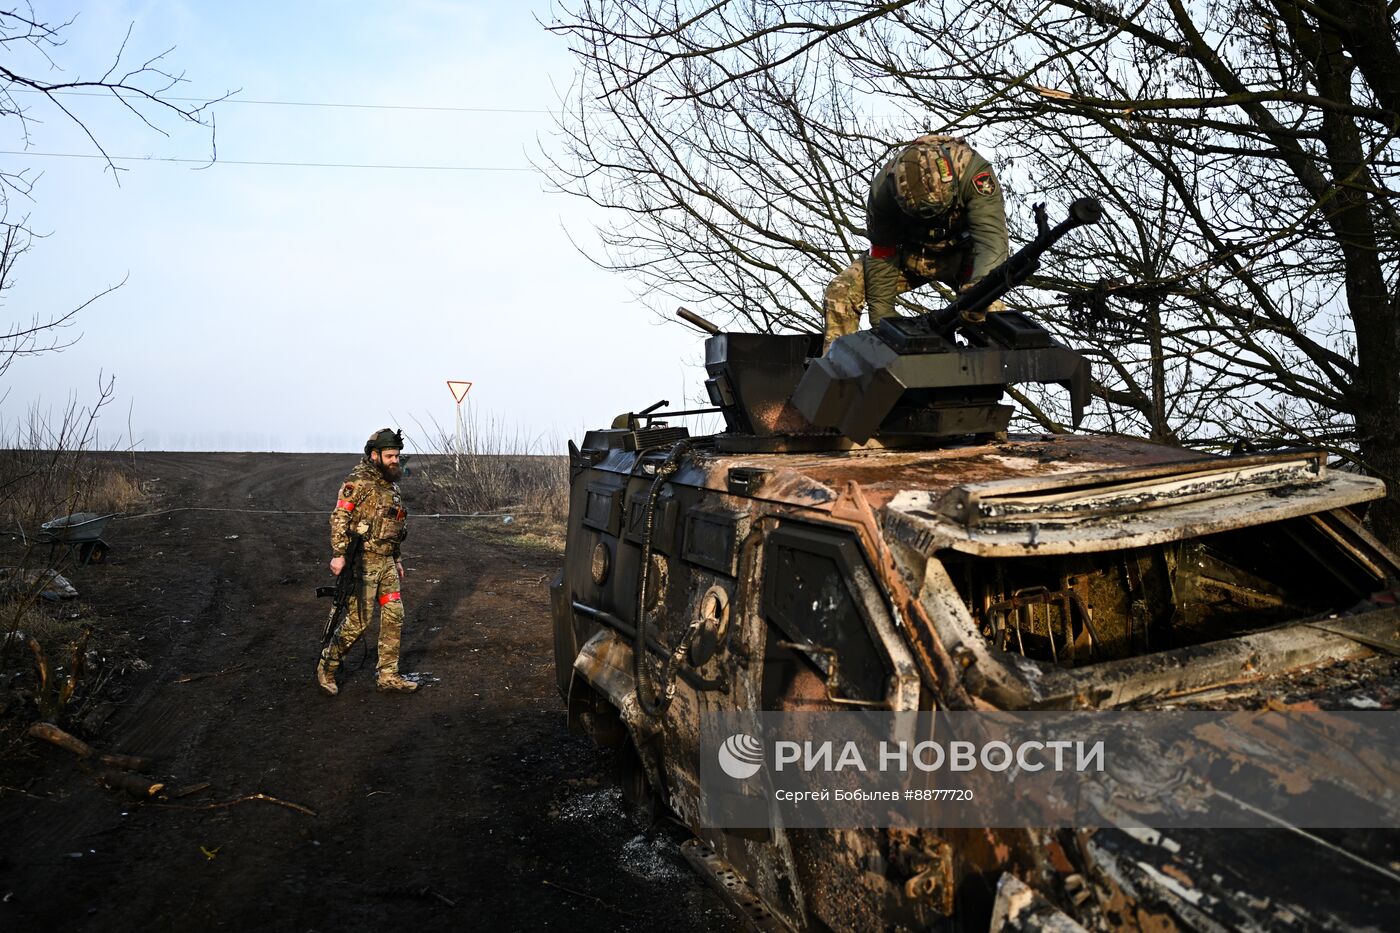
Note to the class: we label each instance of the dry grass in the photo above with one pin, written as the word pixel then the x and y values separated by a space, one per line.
pixel 533 486
pixel 53 628
pixel 488 467
pixel 38 485
pixel 539 536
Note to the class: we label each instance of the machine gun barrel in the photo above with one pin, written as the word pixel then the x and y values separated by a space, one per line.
pixel 1018 268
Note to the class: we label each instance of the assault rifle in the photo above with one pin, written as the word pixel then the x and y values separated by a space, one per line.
pixel 346 585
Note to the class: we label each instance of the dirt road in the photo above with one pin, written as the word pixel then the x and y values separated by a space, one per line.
pixel 464 806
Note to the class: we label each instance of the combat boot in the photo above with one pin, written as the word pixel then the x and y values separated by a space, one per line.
pixel 392 682
pixel 325 677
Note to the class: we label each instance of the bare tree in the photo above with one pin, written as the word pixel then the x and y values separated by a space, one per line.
pixel 1243 286
pixel 143 88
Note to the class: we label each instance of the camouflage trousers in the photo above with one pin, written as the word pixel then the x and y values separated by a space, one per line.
pixel 380 588
pixel 846 294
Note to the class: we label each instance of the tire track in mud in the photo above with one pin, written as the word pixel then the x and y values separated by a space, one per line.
pixel 468 793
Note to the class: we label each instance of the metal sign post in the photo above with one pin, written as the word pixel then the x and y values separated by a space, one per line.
pixel 459 391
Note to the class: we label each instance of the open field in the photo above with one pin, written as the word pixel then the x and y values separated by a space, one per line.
pixel 464 806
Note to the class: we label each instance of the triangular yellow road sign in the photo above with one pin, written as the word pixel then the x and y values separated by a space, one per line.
pixel 459 389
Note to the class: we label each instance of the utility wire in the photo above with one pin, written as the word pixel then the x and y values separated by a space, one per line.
pixel 287 103
pixel 222 161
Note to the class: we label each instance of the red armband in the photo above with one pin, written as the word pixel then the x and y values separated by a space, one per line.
pixel 390 598
pixel 345 504
pixel 882 252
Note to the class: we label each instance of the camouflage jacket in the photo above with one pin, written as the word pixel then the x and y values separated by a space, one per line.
pixel 978 212
pixel 371 505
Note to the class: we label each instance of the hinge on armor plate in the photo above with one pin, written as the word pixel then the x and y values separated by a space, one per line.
pixel 744 481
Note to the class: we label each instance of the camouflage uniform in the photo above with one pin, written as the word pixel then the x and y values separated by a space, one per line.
pixel 373 507
pixel 935 211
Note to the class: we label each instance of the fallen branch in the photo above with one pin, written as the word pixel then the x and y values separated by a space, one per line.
pixel 70 683
pixel 41 661
pixel 52 734
pixel 237 800
pixel 51 701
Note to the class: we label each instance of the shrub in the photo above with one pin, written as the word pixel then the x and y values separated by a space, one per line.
pixel 489 467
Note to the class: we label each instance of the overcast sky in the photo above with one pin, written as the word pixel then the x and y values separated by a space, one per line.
pixel 300 308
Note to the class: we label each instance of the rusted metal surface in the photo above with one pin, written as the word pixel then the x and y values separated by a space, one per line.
pixel 605 662
pixel 1126 493
pixel 1120 490
pixel 1014 682
pixel 731 886
pixel 912 516
pixel 774 417
pixel 883 472
pixel 929 867
pixel 1020 908
pixel 937 664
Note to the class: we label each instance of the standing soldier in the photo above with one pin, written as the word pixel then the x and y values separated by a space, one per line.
pixel 935 211
pixel 370 505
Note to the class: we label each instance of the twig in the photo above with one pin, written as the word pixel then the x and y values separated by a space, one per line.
pixel 415 891
pixel 191 678
pixel 442 897
pixel 19 740
pixel 237 800
pixel 20 790
pixel 189 789
pixel 597 900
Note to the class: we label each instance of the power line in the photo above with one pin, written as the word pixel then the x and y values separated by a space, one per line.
pixel 221 161
pixel 291 103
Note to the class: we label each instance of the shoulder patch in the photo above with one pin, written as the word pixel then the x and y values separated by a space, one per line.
pixel 347 490
pixel 985 184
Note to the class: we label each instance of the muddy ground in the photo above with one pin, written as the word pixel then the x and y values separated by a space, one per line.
pixel 464 806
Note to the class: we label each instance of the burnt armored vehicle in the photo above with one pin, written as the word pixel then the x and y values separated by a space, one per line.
pixel 864 534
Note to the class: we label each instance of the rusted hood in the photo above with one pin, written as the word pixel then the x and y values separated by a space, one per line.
pixel 1050 495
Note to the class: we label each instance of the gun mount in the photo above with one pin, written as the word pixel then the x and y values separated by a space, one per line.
pixel 908 377
pixel 910 381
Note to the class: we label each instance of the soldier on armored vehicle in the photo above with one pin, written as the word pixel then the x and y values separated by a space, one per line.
pixel 934 212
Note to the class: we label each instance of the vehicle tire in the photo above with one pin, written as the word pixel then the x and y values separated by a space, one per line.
pixel 93 552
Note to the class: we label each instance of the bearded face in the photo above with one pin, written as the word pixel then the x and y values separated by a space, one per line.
pixel 388 462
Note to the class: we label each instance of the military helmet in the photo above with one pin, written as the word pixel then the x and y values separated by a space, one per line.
pixel 926 175
pixel 384 439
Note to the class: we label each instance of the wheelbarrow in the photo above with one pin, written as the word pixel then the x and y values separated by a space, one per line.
pixel 80 532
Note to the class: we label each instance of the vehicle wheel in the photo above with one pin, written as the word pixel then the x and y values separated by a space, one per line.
pixel 93 552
